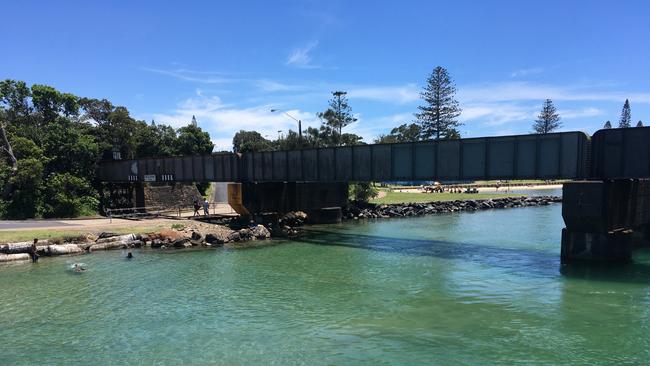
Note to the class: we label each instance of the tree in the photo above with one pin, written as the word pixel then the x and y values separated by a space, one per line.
pixel 51 141
pixel 338 115
pixel 192 140
pixel 155 140
pixel 607 125
pixel 403 133
pixel 250 141
pixel 50 102
pixel 290 141
pixel 66 195
pixel 548 119
pixel 438 117
pixel 362 192
pixel 24 200
pixel 626 117
pixel 639 124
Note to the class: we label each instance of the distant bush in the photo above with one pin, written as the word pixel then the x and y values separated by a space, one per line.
pixel 362 192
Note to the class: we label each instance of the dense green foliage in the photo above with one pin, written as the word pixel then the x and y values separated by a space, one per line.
pixel 58 138
pixel 362 191
pixel 403 133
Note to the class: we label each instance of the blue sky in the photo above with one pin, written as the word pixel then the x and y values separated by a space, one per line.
pixel 230 62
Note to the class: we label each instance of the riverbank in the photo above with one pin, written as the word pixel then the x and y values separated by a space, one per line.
pixel 398 197
pixel 189 235
pixel 376 211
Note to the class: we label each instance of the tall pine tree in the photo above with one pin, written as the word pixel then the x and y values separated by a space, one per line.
pixel 548 119
pixel 338 115
pixel 626 116
pixel 438 117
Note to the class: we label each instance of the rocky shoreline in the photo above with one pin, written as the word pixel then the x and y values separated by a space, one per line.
pixel 192 235
pixel 372 211
pixel 243 235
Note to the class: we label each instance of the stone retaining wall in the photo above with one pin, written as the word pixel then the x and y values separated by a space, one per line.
pixel 171 196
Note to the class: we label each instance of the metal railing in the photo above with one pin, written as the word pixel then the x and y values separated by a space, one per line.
pixel 158 211
pixel 133 212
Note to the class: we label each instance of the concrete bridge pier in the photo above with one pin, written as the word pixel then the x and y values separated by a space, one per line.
pixel 321 201
pixel 605 220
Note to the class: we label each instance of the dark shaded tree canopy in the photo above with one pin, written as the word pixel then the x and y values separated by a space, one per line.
pixel 57 139
pixel 250 141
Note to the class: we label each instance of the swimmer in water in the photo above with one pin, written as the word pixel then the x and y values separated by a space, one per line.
pixel 129 255
pixel 78 268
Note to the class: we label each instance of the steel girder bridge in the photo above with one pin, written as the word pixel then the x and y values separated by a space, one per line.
pixel 606 208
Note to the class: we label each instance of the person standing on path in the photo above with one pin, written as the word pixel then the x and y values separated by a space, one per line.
pixel 197 207
pixel 206 207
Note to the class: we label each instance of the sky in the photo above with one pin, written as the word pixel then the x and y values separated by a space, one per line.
pixel 230 62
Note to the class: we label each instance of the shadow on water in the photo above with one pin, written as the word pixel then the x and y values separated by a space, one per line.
pixel 524 261
pixel 627 272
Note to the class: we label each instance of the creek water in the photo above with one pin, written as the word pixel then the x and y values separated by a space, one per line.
pixel 465 288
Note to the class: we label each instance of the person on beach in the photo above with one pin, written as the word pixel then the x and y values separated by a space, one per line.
pixel 206 207
pixel 197 206
pixel 33 251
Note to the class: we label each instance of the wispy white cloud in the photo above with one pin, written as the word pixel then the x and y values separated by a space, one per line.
pixel 206 77
pixel 301 57
pixel 222 120
pixel 580 113
pixel 497 114
pixel 392 94
pixel 526 72
pixel 267 85
pixel 513 91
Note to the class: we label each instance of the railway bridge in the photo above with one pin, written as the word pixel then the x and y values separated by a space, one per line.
pixel 606 206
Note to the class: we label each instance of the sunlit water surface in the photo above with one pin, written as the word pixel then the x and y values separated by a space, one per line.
pixel 468 288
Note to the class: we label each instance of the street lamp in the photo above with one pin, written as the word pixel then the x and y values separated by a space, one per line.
pixel 293 118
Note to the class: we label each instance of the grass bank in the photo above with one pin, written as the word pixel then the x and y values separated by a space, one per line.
pixel 53 234
pixel 404 197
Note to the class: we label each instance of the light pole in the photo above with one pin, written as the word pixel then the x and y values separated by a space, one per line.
pixel 295 119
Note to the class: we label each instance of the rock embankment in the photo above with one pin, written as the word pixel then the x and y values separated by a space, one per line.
pixel 418 209
pixel 193 235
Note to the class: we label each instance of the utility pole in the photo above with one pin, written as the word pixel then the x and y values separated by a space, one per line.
pixel 295 119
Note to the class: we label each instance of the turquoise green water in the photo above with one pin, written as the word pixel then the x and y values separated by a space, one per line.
pixel 469 288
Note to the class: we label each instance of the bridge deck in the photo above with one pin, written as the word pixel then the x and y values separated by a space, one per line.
pixel 566 155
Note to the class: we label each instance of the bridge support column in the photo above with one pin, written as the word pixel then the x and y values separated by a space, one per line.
pixel 321 201
pixel 604 220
